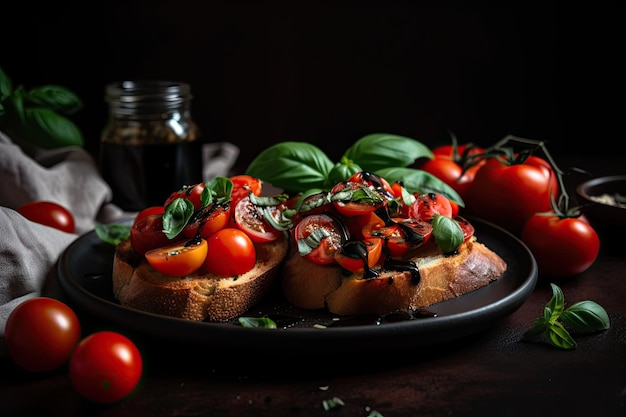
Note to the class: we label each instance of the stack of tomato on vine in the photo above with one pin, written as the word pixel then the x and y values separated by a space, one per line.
pixel 522 191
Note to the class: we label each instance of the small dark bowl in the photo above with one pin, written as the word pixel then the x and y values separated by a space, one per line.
pixel 608 220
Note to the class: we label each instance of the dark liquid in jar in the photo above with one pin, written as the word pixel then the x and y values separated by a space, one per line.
pixel 146 175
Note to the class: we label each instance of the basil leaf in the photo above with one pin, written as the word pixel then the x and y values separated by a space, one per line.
pixel 46 129
pixel 292 166
pixel 419 181
pixel 342 171
pixel 56 98
pixel 556 303
pixel 6 86
pixel 447 232
pixel 559 337
pixel 586 316
pixel 176 216
pixel 217 191
pixel 381 150
pixel 264 322
pixel 113 233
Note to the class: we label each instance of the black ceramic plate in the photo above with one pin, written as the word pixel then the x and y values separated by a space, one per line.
pixel 85 277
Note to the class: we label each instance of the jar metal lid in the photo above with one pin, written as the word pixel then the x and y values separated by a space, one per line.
pixel 147 95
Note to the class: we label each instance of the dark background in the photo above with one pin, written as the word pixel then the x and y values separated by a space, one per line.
pixel 331 72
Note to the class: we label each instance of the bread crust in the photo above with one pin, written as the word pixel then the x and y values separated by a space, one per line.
pixel 200 296
pixel 441 278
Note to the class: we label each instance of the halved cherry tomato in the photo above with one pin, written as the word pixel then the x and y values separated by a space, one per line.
pixel 244 185
pixel 179 259
pixel 148 212
pixel 429 204
pixel 466 227
pixel 230 253
pixel 375 182
pixel 192 193
pixel 355 224
pixel 401 236
pixel 50 214
pixel 373 250
pixel 355 198
pixel 249 218
pixel 320 236
pixel 208 220
pixel 148 234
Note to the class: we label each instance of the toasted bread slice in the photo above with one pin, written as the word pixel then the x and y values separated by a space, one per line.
pixel 311 286
pixel 200 296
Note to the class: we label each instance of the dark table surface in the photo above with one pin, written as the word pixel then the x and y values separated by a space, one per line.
pixel 489 373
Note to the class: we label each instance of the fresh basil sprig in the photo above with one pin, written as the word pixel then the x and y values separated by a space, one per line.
pixel 584 316
pixel 36 116
pixel 299 166
pixel 264 322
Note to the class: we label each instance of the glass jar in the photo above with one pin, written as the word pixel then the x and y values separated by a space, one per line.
pixel 150 145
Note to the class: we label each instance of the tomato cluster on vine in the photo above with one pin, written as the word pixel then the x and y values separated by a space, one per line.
pixel 523 192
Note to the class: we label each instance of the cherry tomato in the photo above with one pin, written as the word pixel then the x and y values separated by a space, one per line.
pixel 401 236
pixel 322 236
pixel 50 214
pixel 191 192
pixel 466 227
pixel 148 234
pixel 179 259
pixel 244 185
pixel 562 247
pixel 355 198
pixel 230 253
pixel 373 248
pixel 448 167
pixel 149 211
pixel 208 220
pixel 375 182
pixel 250 219
pixel 427 205
pixel 509 194
pixel 105 367
pixel 41 334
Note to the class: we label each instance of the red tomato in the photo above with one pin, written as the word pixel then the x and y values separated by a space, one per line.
pixel 148 234
pixel 209 220
pixel 373 249
pixel 401 236
pixel 562 247
pixel 508 195
pixel 427 205
pixel 355 199
pixel 105 367
pixel 230 253
pixel 179 259
pixel 466 227
pixel 244 185
pixel 321 236
pixel 41 334
pixel 375 182
pixel 50 214
pixel 249 218
pixel 192 193
pixel 449 168
pixel 149 212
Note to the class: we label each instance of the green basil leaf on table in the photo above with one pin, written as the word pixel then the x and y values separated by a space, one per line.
pixel 113 233
pixel 586 316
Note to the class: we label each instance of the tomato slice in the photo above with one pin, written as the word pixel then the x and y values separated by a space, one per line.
pixel 355 198
pixel 208 220
pixel 318 238
pixel 373 181
pixel 429 204
pixel 147 234
pixel 249 218
pixel 352 258
pixel 180 259
pixel 400 236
